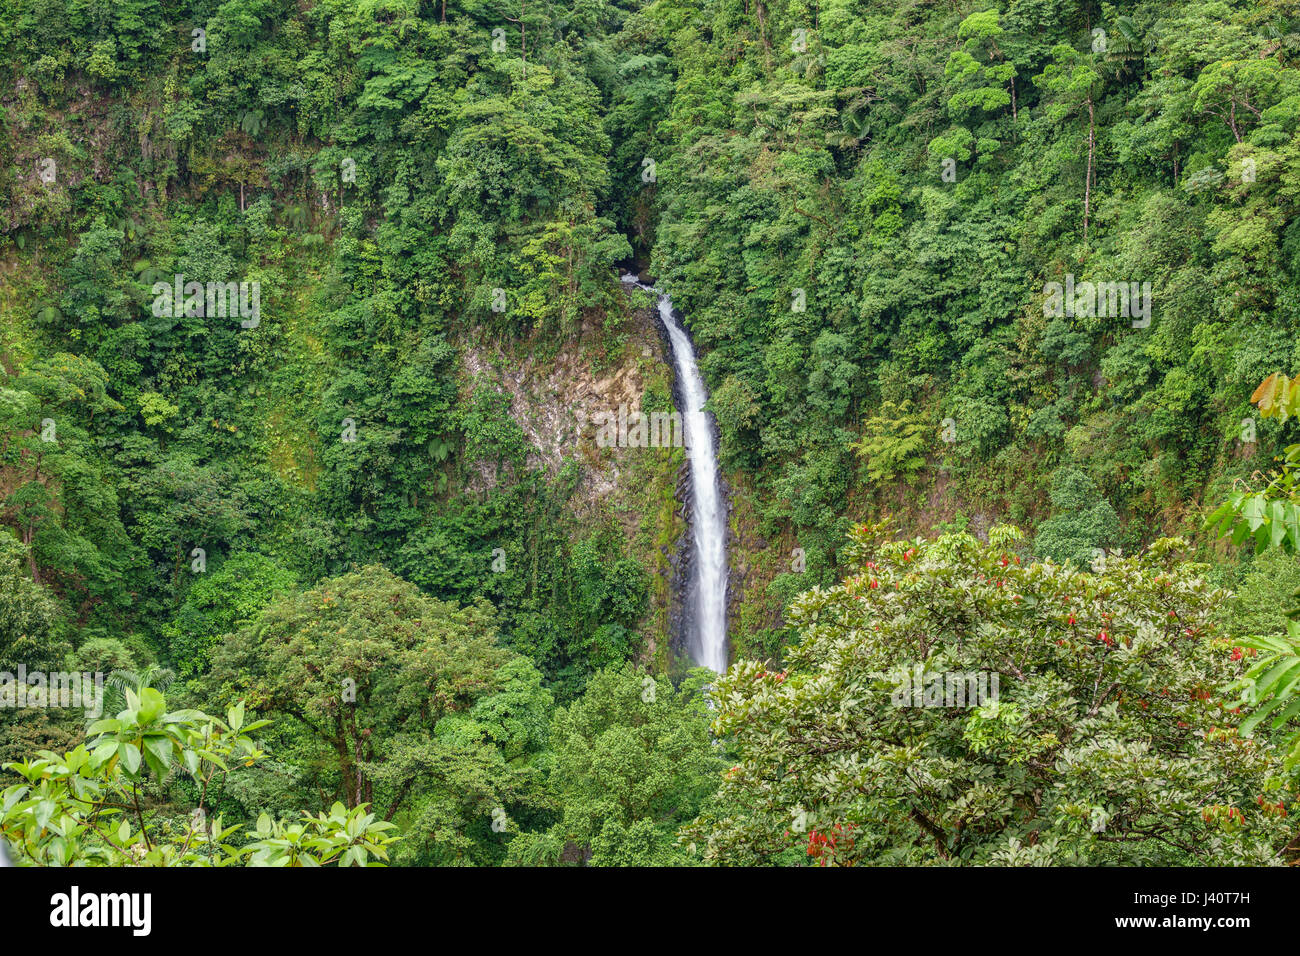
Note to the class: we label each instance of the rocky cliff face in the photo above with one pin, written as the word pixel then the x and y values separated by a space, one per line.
pixel 622 362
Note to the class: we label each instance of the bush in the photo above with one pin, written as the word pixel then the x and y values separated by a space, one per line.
pixel 1265 595
pixel 1082 520
pixel 221 603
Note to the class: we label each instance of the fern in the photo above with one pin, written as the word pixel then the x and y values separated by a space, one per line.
pixel 893 441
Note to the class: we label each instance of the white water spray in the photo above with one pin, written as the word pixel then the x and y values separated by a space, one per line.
pixel 706 620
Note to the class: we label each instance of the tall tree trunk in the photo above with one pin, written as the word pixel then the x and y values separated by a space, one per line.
pixel 347 768
pixel 523 44
pixel 1087 183
pixel 31 555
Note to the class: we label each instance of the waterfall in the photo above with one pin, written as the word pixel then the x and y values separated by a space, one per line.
pixel 706 617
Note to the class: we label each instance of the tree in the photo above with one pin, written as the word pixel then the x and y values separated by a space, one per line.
pixel 981 32
pixel 220 602
pixel 31 621
pixel 1101 743
pixel 1075 84
pixel 1082 521
pixel 34 633
pixel 59 500
pixel 366 666
pixel 633 761
pixel 1237 92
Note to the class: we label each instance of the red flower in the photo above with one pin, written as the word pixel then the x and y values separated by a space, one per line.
pixel 1236 653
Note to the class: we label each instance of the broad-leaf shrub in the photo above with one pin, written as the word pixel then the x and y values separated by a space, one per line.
pixel 1271 519
pixel 88 807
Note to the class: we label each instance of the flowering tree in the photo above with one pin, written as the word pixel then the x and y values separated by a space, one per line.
pixel 1106 743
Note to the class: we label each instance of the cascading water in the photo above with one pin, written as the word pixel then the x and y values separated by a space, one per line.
pixel 706 622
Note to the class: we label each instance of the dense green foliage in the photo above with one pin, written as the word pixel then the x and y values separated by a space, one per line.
pixel 336 502
pixel 83 807
pixel 378 172
pixel 862 203
pixel 1107 743
pixel 633 762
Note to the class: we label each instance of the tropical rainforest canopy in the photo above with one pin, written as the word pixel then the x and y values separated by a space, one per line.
pixel 308 306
